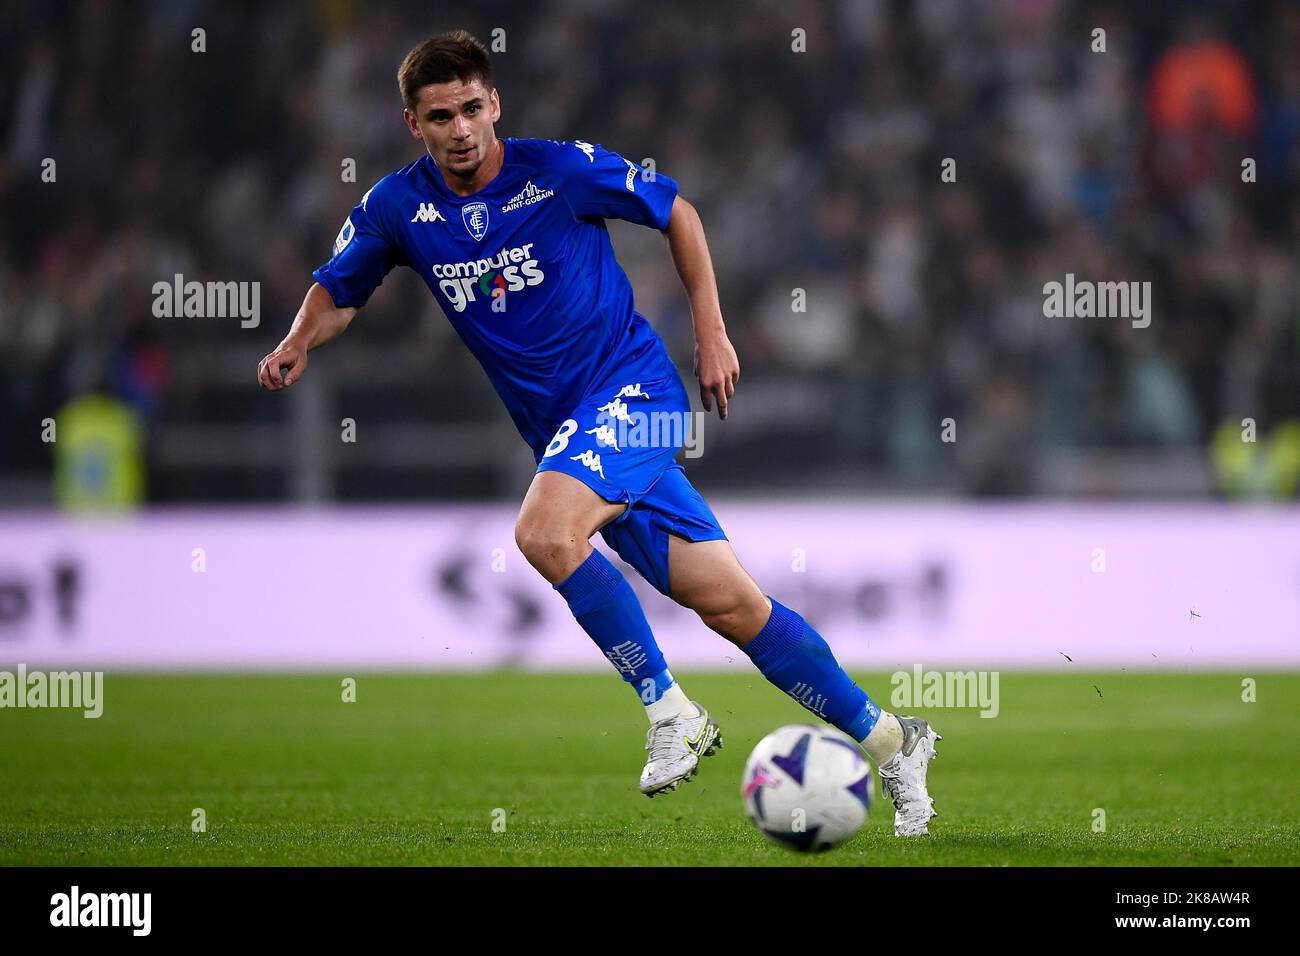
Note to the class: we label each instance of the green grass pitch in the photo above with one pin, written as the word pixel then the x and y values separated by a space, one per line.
pixel 412 772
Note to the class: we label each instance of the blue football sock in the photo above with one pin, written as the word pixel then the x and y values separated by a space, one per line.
pixel 606 606
pixel 797 660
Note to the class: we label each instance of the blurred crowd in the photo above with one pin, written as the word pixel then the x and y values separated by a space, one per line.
pixel 814 139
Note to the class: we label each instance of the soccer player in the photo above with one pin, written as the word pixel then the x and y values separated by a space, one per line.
pixel 510 236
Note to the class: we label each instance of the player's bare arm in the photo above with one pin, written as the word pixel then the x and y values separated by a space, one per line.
pixel 716 364
pixel 318 321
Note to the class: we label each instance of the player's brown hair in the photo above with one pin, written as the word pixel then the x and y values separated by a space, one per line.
pixel 454 55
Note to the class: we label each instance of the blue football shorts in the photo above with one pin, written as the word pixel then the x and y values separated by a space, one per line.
pixel 622 441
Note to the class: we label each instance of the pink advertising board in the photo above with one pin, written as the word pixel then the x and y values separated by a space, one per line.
pixel 444 588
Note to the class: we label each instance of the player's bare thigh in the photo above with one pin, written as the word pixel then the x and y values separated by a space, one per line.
pixel 707 577
pixel 556 521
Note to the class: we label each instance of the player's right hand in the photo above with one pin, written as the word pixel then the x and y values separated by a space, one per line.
pixel 283 367
pixel 718 370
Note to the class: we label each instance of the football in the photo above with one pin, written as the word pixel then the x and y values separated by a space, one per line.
pixel 807 787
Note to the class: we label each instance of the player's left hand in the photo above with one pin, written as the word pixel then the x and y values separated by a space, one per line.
pixel 718 369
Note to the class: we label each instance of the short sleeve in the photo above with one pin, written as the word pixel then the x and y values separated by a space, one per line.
pixel 363 255
pixel 597 183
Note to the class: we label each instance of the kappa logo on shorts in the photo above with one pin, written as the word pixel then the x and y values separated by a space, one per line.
pixel 620 426
pixel 623 422
pixel 591 460
pixel 616 408
pixel 606 437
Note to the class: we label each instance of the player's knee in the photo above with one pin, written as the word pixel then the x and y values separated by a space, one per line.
pixel 529 539
pixel 544 543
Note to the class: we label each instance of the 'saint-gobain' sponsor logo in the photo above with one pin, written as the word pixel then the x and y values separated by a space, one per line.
pixel 921 688
pixel 1102 300
pixel 509 270
pixel 527 196
pixel 208 300
pixel 76 908
pixel 79 690
pixel 475 216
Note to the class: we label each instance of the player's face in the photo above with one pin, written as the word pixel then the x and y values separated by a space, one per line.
pixel 455 122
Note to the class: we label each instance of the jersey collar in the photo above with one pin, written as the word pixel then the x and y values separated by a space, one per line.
pixel 440 184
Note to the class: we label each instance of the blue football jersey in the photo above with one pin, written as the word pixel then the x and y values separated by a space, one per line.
pixel 523 268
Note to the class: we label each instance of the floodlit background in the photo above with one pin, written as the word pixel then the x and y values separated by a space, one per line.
pixel 1122 458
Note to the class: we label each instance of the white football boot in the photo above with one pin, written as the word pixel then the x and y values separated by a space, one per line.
pixel 676 745
pixel 903 778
